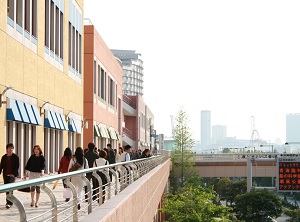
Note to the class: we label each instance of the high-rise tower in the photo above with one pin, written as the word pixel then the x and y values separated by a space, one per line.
pixel 133 71
pixel 293 128
pixel 205 129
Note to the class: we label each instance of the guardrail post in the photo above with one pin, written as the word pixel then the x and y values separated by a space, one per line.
pixel 19 205
pixel 53 201
pixel 90 190
pixel 75 199
pixel 100 193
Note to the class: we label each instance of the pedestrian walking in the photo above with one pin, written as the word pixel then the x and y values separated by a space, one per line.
pixel 35 167
pixel 91 156
pixel 9 166
pixel 82 163
pixel 64 165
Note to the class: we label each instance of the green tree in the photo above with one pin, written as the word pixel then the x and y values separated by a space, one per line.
pixel 182 155
pixel 236 188
pixel 256 205
pixel 222 188
pixel 294 214
pixel 192 203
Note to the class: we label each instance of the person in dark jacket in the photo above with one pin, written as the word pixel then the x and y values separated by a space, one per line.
pixel 111 157
pixel 146 153
pixel 36 167
pixel 10 166
pixel 91 156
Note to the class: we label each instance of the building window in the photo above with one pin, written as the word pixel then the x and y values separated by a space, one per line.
pixel 34 18
pixel 57 29
pixel 75 39
pixel 22 18
pixel 111 92
pixel 103 84
pixel 99 82
pixel 70 44
pixel 11 9
pixel 27 15
pixel 95 77
pixel 52 26
pixel 61 35
pixel 20 13
pixel 47 22
pixel 54 29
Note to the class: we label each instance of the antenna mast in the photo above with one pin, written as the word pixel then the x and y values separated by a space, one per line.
pixel 254 135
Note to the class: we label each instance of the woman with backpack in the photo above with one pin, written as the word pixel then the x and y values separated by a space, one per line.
pixel 78 162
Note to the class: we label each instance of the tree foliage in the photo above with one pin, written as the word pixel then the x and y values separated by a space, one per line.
pixel 182 155
pixel 255 205
pixel 194 203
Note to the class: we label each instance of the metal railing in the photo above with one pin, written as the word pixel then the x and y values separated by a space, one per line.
pixel 232 157
pixel 118 177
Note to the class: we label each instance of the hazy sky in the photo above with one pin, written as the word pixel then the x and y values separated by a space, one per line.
pixel 236 58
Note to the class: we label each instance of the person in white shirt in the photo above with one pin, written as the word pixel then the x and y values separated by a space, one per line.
pixel 126 154
pixel 101 162
pixel 77 181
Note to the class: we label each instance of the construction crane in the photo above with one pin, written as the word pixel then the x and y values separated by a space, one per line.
pixel 255 138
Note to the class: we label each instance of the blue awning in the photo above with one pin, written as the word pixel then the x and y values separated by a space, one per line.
pixel 12 113
pixel 65 125
pixel 78 125
pixel 37 115
pixel 30 113
pixel 74 126
pixel 23 112
pixel 57 126
pixel 61 126
pixel 49 123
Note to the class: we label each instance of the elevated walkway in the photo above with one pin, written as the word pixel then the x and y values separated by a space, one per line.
pixel 133 194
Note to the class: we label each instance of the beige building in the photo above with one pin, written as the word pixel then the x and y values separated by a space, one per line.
pixel 41 77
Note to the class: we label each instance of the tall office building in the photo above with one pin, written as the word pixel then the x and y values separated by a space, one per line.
pixel 133 71
pixel 293 128
pixel 205 129
pixel 219 133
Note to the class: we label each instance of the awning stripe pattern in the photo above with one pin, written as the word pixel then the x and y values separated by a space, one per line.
pixel 23 112
pixel 96 131
pixel 103 132
pixel 55 120
pixel 74 126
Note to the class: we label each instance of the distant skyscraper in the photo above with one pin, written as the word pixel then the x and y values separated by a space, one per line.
pixel 293 127
pixel 133 71
pixel 205 128
pixel 219 132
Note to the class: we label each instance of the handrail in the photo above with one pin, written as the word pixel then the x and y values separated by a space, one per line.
pixel 32 182
pixel 120 176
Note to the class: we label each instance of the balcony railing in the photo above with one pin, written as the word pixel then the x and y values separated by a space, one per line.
pixel 129 101
pixel 128 133
pixel 118 176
